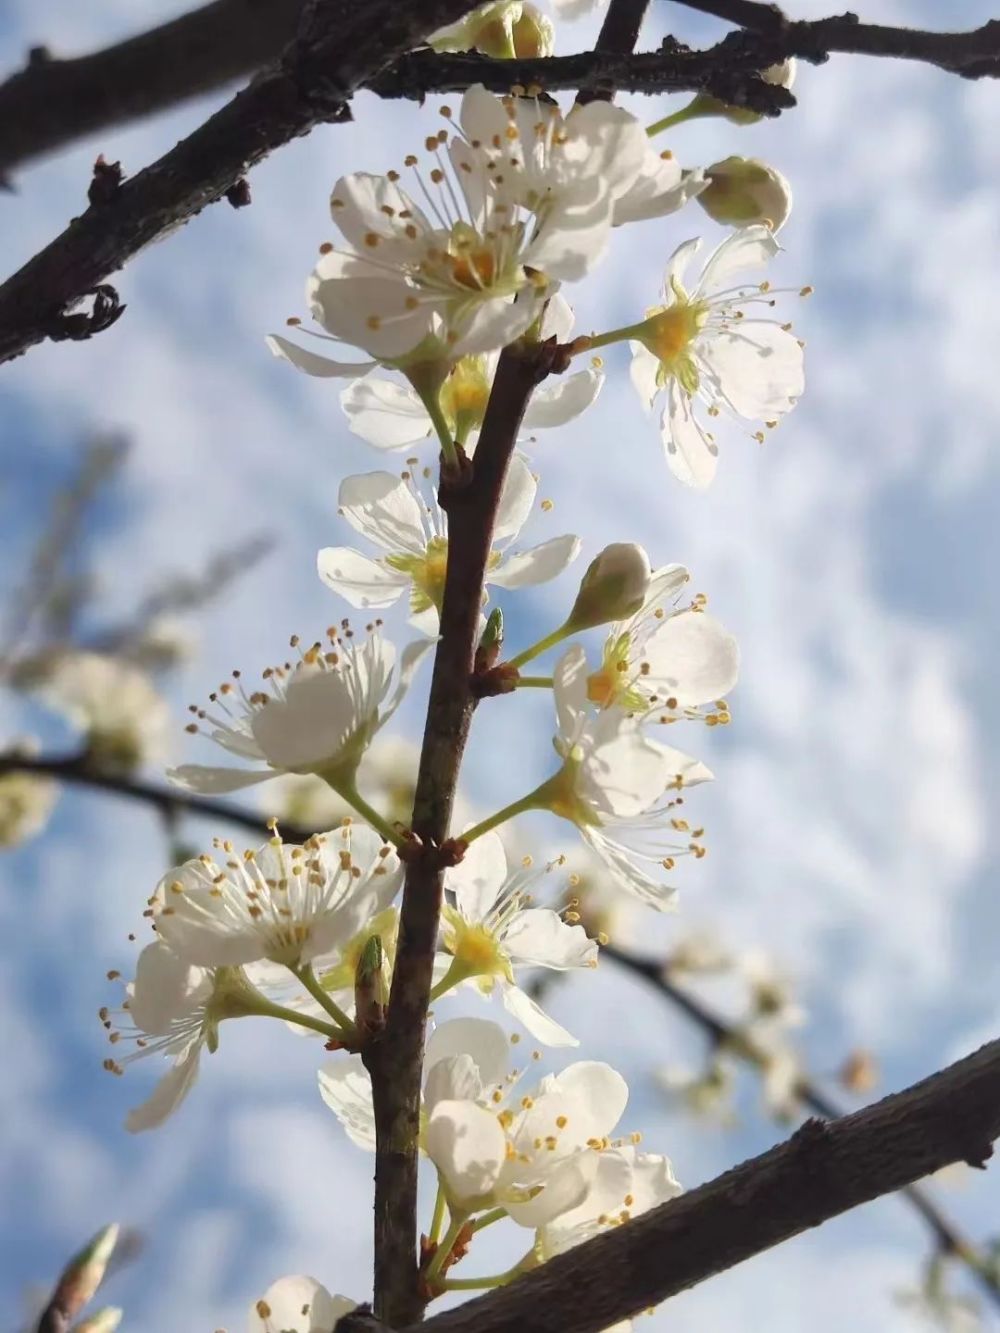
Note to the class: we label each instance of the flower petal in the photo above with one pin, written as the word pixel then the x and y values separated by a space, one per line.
pixel 358 579
pixel 516 499
pixel 166 987
pixel 313 364
pixel 758 368
pixel 569 687
pixel 208 781
pixel 537 565
pixel 747 247
pixel 534 1018
pixel 481 1038
pixel 691 456
pixel 643 372
pixel 692 658
pixel 168 1093
pixel 560 400
pixel 297 1304
pixel 540 937
pixel 346 1088
pixel 386 414
pixel 468 1147
pixel 381 507
pixel 478 878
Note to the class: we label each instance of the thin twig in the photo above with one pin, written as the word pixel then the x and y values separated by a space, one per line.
pixel 826 1168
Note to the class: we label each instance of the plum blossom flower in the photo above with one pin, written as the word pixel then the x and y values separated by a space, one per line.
pixel 412 531
pixel 667 660
pixel 26 799
pixel 297 1304
pixel 390 414
pixel 703 352
pixel 617 786
pixel 174 1008
pixel 492 1145
pixel 317 715
pixel 517 198
pixel 490 929
pixel 282 903
pixel 534 1154
pixel 124 718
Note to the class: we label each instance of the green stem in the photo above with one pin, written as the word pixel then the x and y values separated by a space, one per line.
pixel 453 977
pixel 308 978
pixel 529 802
pixel 432 403
pixel 614 336
pixel 437 1218
pixel 455 1225
pixel 549 641
pixel 694 110
pixel 487 1219
pixel 268 1010
pixel 534 682
pixel 481 1283
pixel 348 790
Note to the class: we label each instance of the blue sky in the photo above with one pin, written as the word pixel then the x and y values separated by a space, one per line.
pixel 851 826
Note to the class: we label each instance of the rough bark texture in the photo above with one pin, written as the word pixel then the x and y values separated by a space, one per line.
pixel 824 1169
pixel 339 45
pixel 396 1060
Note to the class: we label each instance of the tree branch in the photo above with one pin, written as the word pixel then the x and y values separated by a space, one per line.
pixel 395 1061
pixel 823 1170
pixel 171 801
pixel 948 1237
pixel 52 102
pixel 345 45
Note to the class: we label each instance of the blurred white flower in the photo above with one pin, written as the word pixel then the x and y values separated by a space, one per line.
pixel 412 530
pixel 26 799
pixel 124 719
pixel 317 715
pixel 491 930
pixel 702 351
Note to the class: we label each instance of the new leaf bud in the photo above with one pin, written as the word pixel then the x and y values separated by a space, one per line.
pixel 613 588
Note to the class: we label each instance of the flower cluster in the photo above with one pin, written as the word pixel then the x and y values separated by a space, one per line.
pixel 437 268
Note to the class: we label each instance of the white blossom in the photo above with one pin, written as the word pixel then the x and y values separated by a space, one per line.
pixel 123 717
pixel 297 1304
pixel 389 414
pixel 535 1154
pixel 517 198
pixel 619 787
pixel 26 799
pixel 668 660
pixel 283 903
pixel 317 715
pixel 412 530
pixel 490 930
pixel 704 353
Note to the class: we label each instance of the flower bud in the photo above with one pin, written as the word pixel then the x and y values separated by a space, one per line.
pixel 742 191
pixel 491 643
pixel 505 30
pixel 613 587
pixel 85 1271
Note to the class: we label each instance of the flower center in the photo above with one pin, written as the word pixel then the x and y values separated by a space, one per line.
pixel 474 269
pixel 669 333
pixel 474 947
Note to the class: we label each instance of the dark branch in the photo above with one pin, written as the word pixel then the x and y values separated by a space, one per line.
pixel 823 1170
pixel 52 102
pixel 395 1061
pixel 312 83
pixel 949 1239
pixel 170 801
